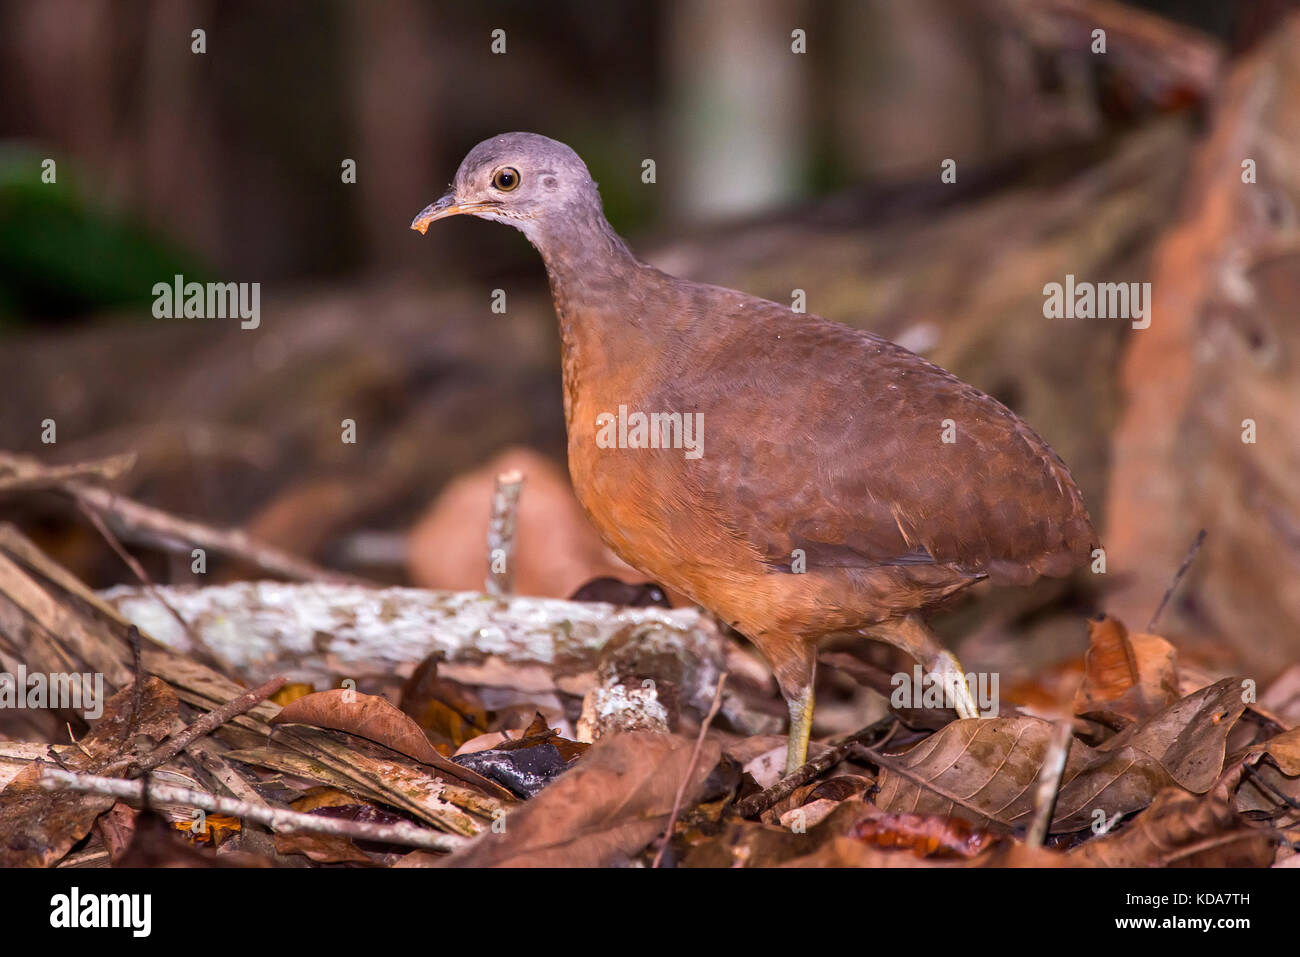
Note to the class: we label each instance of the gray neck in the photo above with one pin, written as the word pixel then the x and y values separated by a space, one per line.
pixel 588 264
pixel 595 283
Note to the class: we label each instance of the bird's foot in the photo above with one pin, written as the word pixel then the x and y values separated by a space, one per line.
pixel 953 675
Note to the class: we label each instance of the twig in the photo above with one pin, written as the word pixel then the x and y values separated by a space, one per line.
pixel 1178 577
pixel 282 820
pixel 143 522
pixel 501 533
pixel 690 770
pixel 182 535
pixel 143 577
pixel 1049 782
pixel 26 479
pixel 758 803
pixel 205 725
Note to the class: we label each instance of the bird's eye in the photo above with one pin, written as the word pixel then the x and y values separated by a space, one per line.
pixel 506 179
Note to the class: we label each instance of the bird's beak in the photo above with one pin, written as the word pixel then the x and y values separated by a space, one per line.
pixel 447 206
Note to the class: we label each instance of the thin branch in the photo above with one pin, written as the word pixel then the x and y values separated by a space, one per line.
pixel 1049 782
pixel 501 533
pixel 690 770
pixel 282 820
pixel 141 522
pixel 52 477
pixel 756 804
pixel 1178 577
pixel 143 577
pixel 205 725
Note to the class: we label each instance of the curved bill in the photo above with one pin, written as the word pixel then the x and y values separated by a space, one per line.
pixel 447 206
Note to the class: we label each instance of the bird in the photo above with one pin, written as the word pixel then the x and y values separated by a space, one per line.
pixel 803 480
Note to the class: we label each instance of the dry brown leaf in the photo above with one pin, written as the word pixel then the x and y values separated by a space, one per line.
pixel 1269 782
pixel 485 742
pixel 1285 750
pixel 1127 677
pixel 375 719
pixel 367 716
pixel 446 709
pixel 924 835
pixel 157 844
pixel 322 797
pixel 322 848
pixel 556 549
pixel 116 829
pixel 1184 830
pixel 609 806
pixel 987 768
pixel 216 828
pixel 38 827
pixel 848 852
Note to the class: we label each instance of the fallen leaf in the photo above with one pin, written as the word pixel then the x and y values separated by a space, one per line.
pixel 157 844
pixel 526 764
pixel 1127 677
pixel 377 720
pixel 445 709
pixel 367 716
pixel 924 835
pixel 322 848
pixel 987 768
pixel 1183 830
pixel 216 828
pixel 38 827
pixel 608 807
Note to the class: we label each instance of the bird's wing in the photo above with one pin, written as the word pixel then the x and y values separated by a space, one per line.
pixel 827 439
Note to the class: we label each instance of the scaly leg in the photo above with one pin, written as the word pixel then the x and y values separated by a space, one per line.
pixel 801 717
pixel 911 635
pixel 794 665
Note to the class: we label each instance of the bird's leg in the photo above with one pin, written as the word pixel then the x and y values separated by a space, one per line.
pixel 801 717
pixel 794 664
pixel 911 635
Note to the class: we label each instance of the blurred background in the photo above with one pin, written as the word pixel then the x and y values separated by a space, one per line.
pixel 797 144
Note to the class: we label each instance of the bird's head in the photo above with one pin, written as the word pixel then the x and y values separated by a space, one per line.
pixel 522 179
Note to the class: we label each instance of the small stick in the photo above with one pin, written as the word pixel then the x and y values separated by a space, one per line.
pixel 756 804
pixel 283 820
pixel 1049 782
pixel 143 577
pixel 143 522
pixel 203 726
pixel 690 770
pixel 1178 577
pixel 182 535
pixel 53 476
pixel 501 533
